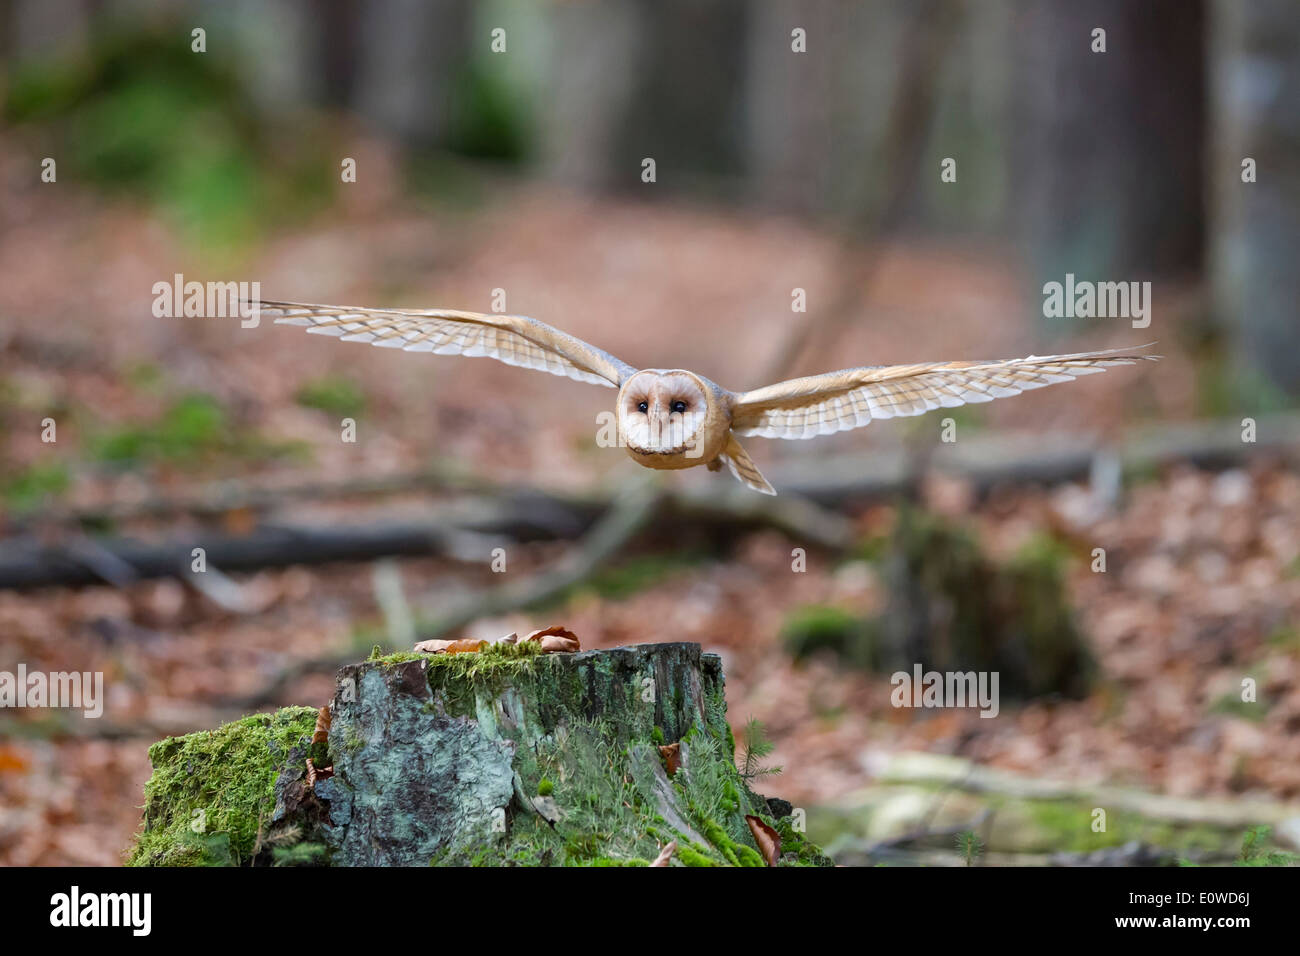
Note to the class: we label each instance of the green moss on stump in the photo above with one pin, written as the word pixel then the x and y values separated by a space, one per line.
pixel 213 792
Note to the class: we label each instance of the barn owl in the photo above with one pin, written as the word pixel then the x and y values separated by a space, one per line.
pixel 676 418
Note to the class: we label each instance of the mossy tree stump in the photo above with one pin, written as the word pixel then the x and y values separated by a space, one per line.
pixel 503 757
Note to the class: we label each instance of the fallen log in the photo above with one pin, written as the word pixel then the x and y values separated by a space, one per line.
pixel 466 530
pixel 29 563
pixel 963 775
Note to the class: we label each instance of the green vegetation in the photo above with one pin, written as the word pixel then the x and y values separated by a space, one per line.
pixel 212 793
pixel 486 667
pixel 193 426
pixel 338 396
pixel 754 748
pixel 396 657
pixel 141 114
pixel 815 628
pixel 1224 388
pixel 1231 704
pixel 1256 852
pixel 1040 827
pixel 1067 826
pixel 34 486
pixel 300 854
pixel 969 846
pixel 195 429
pixel 487 121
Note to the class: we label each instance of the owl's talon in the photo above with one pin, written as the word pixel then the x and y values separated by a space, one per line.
pixel 715 465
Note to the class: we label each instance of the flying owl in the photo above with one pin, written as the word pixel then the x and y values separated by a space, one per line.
pixel 675 418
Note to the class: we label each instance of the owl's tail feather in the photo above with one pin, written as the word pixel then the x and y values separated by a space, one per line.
pixel 746 472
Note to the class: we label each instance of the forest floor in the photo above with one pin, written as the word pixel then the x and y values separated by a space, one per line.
pixel 1202 587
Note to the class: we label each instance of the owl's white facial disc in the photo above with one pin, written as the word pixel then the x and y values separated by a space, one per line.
pixel 661 412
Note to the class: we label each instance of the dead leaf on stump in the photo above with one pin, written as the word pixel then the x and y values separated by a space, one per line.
pixel 432 647
pixel 555 639
pixel 557 629
pixel 671 754
pixel 768 840
pixel 322 732
pixel 559 645
pixel 313 774
pixel 665 854
pixel 463 646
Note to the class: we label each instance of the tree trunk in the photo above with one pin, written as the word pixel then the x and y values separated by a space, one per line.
pixel 1110 152
pixel 1256 56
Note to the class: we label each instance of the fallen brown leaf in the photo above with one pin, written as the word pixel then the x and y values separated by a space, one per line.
pixel 11 759
pixel 239 521
pixel 553 644
pixel 672 757
pixel 432 647
pixel 313 774
pixel 768 840
pixel 322 733
pixel 557 630
pixel 463 646
pixel 665 854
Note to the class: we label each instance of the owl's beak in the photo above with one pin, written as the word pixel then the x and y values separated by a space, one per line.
pixel 660 429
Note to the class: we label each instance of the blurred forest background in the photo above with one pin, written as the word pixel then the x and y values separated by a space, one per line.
pixel 776 170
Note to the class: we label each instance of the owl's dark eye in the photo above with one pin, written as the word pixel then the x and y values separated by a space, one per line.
pixel 679 406
pixel 643 407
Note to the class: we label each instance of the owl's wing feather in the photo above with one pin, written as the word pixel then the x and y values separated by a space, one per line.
pixel 513 339
pixel 851 398
pixel 742 467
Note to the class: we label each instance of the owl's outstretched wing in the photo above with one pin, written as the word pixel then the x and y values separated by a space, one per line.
pixel 837 401
pixel 513 339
